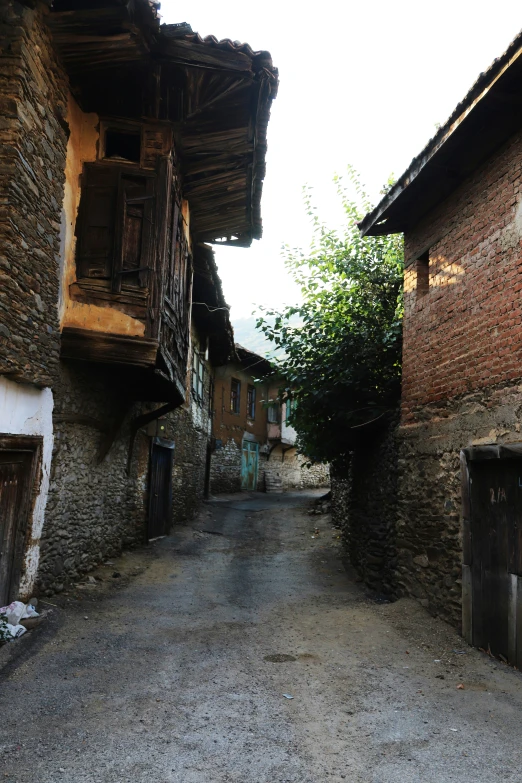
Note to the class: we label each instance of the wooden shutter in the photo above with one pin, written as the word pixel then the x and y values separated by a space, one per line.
pixel 135 231
pixel 95 228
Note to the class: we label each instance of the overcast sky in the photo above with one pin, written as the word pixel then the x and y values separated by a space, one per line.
pixel 361 83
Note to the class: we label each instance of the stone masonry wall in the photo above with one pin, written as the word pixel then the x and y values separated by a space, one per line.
pixel 364 506
pixel 369 531
pixel 33 141
pixel 292 470
pixel 225 474
pixel 93 510
pixel 190 454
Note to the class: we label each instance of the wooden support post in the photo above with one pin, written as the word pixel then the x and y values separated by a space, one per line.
pixel 512 618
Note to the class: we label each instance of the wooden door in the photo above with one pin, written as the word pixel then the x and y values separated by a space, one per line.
pixel 496 526
pixel 160 499
pixel 15 471
pixel 249 464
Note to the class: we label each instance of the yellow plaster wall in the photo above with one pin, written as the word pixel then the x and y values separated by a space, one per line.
pixel 82 148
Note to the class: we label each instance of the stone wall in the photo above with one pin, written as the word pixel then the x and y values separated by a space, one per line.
pixel 429 538
pixel 364 505
pixel 93 509
pixel 225 474
pixel 190 455
pixel 33 141
pixel 291 468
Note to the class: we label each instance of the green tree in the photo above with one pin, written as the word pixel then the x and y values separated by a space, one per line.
pixel 342 360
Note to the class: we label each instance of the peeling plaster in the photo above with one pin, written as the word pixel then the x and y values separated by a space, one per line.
pixel 25 410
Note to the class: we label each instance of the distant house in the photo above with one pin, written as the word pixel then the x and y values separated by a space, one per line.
pixel 458 459
pixel 253 444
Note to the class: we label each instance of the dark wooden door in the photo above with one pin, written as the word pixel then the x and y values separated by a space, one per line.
pixel 496 524
pixel 15 468
pixel 160 501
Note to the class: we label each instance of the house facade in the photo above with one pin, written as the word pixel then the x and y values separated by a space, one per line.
pixel 127 147
pixel 254 444
pixel 458 446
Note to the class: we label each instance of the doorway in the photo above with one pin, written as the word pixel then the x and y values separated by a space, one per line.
pixel 19 461
pixel 160 494
pixel 249 465
pixel 492 549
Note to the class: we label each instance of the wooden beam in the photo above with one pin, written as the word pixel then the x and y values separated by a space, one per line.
pixel 91 346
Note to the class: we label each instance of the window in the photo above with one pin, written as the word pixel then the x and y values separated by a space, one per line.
pixel 251 402
pixel 123 145
pixel 289 408
pixel 423 273
pixel 198 375
pixel 235 395
pixel 273 413
pixel 115 226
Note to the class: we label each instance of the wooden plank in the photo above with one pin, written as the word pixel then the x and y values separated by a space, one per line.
pixel 512 618
pixel 518 657
pixel 91 346
pixel 467 604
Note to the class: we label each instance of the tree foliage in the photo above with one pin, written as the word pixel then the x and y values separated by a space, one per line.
pixel 342 359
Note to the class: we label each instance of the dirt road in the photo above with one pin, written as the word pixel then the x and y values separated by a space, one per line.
pixel 177 670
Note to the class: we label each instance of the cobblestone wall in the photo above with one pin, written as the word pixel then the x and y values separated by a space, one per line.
pixel 93 509
pixel 33 141
pixel 364 506
pixel 225 475
pixel 291 468
pixel 190 454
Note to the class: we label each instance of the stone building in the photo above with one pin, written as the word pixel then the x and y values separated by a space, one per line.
pixel 458 462
pixel 254 446
pixel 127 147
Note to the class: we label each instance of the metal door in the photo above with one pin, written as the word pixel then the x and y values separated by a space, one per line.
pixel 160 500
pixel 496 555
pixel 15 468
pixel 249 463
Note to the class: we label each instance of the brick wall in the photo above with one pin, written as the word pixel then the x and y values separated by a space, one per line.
pixel 33 141
pixel 466 332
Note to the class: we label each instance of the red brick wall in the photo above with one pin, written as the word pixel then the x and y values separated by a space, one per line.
pixel 466 332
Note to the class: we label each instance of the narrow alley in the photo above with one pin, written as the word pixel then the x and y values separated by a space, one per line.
pixel 178 663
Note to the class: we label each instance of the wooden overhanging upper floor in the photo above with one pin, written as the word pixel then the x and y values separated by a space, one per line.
pixel 485 119
pixel 215 96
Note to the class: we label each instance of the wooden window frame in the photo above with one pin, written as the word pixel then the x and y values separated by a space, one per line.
pixel 198 376
pixel 251 402
pixel 235 396
pixel 114 275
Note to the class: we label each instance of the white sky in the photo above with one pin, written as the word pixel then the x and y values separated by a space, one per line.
pixel 360 83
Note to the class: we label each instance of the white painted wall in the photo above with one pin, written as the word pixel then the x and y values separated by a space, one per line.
pixel 288 434
pixel 25 410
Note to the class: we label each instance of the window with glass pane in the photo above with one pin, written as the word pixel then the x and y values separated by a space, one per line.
pixel 235 395
pixel 273 414
pixel 198 375
pixel 251 402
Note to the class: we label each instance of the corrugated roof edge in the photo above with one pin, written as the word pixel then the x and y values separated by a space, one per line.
pixel 484 80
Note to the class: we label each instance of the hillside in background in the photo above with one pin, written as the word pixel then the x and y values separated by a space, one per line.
pixel 246 334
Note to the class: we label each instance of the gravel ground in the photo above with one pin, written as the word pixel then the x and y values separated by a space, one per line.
pixel 176 670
